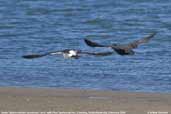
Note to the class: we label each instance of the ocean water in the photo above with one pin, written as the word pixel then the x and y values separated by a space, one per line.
pixel 37 26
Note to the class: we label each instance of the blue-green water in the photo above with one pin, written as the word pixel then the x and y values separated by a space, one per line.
pixel 33 26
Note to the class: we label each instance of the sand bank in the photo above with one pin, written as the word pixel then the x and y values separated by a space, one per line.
pixel 75 100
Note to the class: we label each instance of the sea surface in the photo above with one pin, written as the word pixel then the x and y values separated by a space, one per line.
pixel 38 26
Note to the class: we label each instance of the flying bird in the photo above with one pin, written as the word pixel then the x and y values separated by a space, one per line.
pixel 122 49
pixel 68 53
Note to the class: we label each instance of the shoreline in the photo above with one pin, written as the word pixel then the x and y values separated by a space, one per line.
pixel 23 99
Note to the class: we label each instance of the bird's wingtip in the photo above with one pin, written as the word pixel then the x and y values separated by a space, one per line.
pixel 86 40
pixel 152 34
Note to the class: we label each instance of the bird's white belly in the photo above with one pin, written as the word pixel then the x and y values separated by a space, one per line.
pixel 66 55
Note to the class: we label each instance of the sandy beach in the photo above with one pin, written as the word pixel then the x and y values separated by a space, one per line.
pixel 74 100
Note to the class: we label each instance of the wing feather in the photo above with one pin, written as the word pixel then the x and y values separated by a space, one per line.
pixel 93 44
pixel 97 53
pixel 136 43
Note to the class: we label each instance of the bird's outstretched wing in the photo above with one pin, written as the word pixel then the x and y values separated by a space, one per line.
pixel 93 44
pixel 33 56
pixel 136 43
pixel 97 54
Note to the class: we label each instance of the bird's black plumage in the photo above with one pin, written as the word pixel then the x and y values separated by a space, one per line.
pixel 122 49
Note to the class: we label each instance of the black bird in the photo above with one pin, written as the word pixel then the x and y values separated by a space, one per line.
pixel 68 53
pixel 122 49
